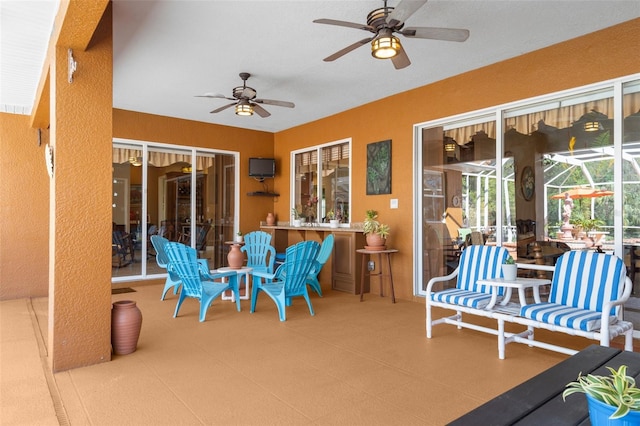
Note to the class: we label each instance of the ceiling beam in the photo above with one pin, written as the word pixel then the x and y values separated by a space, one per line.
pixel 75 23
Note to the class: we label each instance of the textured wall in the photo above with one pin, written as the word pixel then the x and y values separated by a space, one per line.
pixel 24 209
pixel 80 202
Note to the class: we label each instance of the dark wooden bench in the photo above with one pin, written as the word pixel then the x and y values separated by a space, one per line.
pixel 538 401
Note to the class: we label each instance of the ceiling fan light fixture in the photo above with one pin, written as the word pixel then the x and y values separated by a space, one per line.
pixel 385 46
pixel 135 161
pixel 244 108
pixel 592 126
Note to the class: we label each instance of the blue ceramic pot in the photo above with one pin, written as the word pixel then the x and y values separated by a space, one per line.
pixel 599 413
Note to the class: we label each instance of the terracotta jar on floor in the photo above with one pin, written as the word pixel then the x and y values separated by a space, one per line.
pixel 126 322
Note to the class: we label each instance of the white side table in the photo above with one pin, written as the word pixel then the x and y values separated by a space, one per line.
pixel 520 283
pixel 240 271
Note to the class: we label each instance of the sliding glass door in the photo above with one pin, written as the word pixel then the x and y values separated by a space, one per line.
pixel 181 194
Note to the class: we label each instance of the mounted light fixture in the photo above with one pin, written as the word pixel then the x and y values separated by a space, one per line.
pixel 243 107
pixel 592 121
pixel 135 161
pixel 592 126
pixel 450 146
pixel 386 45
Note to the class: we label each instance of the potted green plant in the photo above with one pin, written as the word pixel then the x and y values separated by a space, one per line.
pixel 297 217
pixel 376 233
pixel 238 237
pixel 509 269
pixel 333 222
pixel 612 400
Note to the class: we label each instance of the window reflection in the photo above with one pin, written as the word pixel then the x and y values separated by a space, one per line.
pixel 321 182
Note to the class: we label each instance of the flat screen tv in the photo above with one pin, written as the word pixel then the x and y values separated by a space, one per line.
pixel 262 167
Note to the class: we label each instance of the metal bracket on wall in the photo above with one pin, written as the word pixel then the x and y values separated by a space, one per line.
pixel 73 65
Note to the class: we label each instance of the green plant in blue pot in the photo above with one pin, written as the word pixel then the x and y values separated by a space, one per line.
pixel 612 400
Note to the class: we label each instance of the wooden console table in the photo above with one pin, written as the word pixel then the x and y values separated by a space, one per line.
pixel 538 401
pixel 344 267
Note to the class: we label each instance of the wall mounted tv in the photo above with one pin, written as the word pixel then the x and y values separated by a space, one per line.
pixel 262 167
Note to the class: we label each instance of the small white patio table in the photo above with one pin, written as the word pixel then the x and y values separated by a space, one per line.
pixel 520 283
pixel 240 271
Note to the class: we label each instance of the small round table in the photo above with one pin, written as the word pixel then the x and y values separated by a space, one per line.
pixel 240 271
pixel 366 254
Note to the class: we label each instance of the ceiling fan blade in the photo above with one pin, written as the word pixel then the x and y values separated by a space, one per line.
pixel 260 111
pixel 446 34
pixel 403 11
pixel 222 108
pixel 276 103
pixel 347 49
pixel 401 60
pixel 213 95
pixel 345 24
pixel 248 93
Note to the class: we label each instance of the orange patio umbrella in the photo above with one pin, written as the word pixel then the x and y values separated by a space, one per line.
pixel 582 192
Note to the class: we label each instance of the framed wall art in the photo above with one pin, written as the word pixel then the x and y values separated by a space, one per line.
pixel 528 183
pixel 379 168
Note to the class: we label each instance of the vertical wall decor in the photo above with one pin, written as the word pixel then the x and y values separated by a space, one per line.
pixel 379 168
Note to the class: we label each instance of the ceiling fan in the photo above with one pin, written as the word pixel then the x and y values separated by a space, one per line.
pixel 245 100
pixel 386 21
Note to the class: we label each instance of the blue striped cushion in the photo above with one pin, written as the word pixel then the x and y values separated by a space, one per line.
pixel 480 262
pixel 565 316
pixel 455 296
pixel 584 279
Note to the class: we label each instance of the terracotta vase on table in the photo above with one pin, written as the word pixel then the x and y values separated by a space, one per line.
pixel 235 258
pixel 271 219
pixel 375 242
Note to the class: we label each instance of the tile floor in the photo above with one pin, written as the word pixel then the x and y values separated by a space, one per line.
pixel 352 363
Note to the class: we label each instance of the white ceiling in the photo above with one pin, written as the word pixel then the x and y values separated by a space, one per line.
pixel 166 52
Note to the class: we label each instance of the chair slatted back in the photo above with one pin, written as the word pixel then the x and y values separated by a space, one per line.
pixel 585 279
pixel 325 250
pixel 480 262
pixel 183 261
pixel 261 255
pixel 300 259
pixel 201 236
pixel 158 244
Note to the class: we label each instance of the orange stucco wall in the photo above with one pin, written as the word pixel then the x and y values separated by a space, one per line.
pixel 80 193
pixel 24 209
pixel 596 57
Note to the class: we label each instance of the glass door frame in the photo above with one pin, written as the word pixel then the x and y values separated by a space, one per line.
pixel 498 112
pixel 194 152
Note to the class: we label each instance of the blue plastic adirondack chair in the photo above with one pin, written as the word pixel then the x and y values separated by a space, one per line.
pixel 261 255
pixel 196 280
pixel 161 259
pixel 289 280
pixel 323 256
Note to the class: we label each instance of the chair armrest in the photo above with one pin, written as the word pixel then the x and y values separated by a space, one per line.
pixel 610 304
pixel 266 275
pixel 434 280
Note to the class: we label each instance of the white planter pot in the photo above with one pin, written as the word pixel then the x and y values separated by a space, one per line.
pixel 509 272
pixel 334 223
pixel 297 223
pixel 237 238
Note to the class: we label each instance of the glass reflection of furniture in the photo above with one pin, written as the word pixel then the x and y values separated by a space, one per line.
pixel 179 197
